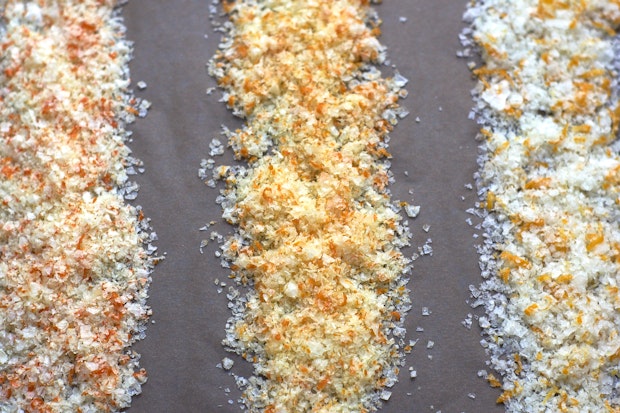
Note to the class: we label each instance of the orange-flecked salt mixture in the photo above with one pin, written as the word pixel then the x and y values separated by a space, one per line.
pixel 73 270
pixel 550 179
pixel 317 235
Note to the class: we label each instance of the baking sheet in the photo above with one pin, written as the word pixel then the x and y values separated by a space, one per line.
pixel 183 347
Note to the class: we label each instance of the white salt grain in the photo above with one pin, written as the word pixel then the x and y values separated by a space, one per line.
pixel 412 211
pixel 227 363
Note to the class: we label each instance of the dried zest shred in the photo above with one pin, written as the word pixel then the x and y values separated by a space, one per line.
pixel 547 99
pixel 73 271
pixel 318 237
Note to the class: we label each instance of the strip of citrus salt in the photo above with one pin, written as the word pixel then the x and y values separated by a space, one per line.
pixel 317 235
pixel 73 271
pixel 551 182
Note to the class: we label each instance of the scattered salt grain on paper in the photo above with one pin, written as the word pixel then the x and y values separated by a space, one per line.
pixel 550 184
pixel 227 363
pixel 74 272
pixel 412 211
pixel 319 239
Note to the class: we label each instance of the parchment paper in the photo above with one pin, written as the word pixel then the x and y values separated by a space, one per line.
pixel 439 153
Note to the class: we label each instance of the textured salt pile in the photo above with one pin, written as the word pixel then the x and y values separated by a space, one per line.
pixel 318 239
pixel 73 270
pixel 550 182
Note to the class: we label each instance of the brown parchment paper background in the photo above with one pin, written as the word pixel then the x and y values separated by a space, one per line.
pixel 439 153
